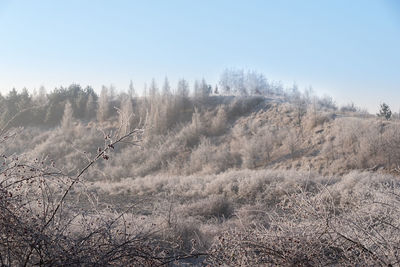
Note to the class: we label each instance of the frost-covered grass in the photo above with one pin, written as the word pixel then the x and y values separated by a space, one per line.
pixel 245 182
pixel 270 217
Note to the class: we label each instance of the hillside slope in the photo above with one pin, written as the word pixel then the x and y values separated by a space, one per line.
pixel 235 180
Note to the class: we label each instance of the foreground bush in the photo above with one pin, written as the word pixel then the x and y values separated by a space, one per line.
pixel 354 227
pixel 48 218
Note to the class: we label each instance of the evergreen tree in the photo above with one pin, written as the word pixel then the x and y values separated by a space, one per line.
pixel 182 98
pixel 111 93
pixel 145 90
pixel 90 111
pixel 219 122
pixel 42 96
pixel 205 89
pixel 131 90
pixel 166 89
pixel 183 89
pixel 153 90
pixel 67 121
pixel 216 91
pixel 201 89
pixel 385 111
pixel 103 110
pixel 196 89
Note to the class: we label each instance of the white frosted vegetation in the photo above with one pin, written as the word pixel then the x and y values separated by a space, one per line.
pixel 283 178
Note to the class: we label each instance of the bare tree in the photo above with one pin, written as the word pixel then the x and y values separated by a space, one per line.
pixel 125 114
pixel 232 82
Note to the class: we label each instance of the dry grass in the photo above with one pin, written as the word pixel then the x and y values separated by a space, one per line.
pixel 243 183
pixel 42 221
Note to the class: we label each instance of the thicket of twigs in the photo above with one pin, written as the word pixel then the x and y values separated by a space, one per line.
pixel 42 222
pixel 320 226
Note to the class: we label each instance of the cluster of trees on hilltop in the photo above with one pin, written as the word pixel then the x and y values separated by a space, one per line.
pixel 46 109
pixel 161 106
pixel 22 108
pixel 238 82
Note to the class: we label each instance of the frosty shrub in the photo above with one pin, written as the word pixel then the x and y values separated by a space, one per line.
pixel 316 228
pixel 243 105
pixel 212 207
pixel 219 122
pixel 41 222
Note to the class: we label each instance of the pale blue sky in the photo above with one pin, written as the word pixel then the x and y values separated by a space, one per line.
pixel 347 49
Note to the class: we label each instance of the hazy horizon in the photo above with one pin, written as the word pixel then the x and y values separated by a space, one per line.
pixel 346 50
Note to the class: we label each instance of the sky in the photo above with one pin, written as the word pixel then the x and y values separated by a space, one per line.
pixel 349 50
